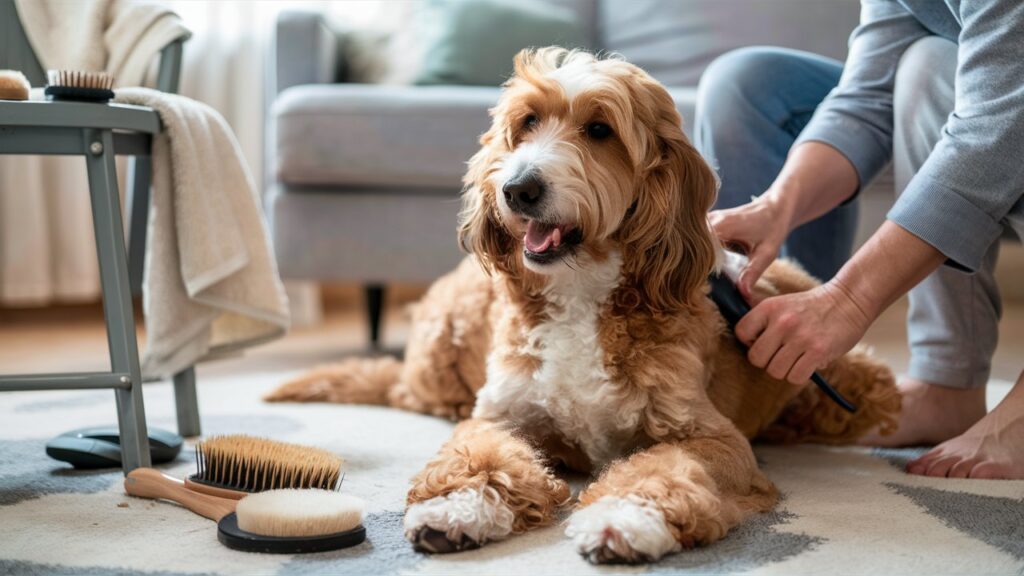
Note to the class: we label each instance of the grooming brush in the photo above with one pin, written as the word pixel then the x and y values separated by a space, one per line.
pixel 733 307
pixel 151 483
pixel 280 521
pixel 293 521
pixel 237 465
pixel 79 86
pixel 13 85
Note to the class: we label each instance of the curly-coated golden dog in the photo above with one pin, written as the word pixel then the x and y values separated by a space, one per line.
pixel 580 333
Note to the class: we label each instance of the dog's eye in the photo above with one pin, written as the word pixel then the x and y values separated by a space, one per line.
pixel 599 130
pixel 530 121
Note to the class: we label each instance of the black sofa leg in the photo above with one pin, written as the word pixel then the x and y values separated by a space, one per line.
pixel 374 309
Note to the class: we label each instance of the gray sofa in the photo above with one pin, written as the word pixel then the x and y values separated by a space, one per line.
pixel 365 178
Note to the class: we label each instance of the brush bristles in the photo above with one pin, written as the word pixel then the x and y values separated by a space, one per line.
pixel 297 513
pixel 80 79
pixel 252 464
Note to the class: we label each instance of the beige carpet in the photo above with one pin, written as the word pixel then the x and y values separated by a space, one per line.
pixel 845 510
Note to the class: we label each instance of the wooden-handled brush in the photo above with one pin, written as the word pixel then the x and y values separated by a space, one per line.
pixel 298 508
pixel 151 483
pixel 232 467
pixel 237 465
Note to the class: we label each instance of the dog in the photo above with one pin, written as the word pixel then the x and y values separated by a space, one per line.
pixel 579 334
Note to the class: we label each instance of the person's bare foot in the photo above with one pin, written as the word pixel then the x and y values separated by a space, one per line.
pixel 931 414
pixel 992 448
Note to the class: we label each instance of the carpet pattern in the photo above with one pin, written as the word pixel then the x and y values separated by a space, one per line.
pixel 847 510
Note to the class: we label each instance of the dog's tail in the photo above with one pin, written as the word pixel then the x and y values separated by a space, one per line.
pixel 352 381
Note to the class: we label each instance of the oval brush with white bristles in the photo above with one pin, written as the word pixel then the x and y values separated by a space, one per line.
pixel 285 521
pixel 292 521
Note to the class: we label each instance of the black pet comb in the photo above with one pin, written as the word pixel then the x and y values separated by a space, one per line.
pixel 732 305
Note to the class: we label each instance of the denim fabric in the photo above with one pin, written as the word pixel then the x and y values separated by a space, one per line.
pixel 751 106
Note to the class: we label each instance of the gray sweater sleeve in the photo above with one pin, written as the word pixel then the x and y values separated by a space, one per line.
pixel 856 117
pixel 975 174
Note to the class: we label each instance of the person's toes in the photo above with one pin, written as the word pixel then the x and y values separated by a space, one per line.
pixel 988 471
pixel 920 464
pixel 962 469
pixel 940 467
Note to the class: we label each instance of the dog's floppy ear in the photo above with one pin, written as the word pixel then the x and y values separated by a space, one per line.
pixel 668 242
pixel 479 230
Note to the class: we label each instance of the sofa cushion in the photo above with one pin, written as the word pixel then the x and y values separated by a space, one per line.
pixel 675 40
pixel 420 137
pixel 472 42
pixel 413 137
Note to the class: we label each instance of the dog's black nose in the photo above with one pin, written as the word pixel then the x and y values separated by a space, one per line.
pixel 524 190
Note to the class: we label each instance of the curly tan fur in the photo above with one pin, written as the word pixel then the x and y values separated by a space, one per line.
pixel 482 453
pixel 612 358
pixel 353 381
pixel 718 492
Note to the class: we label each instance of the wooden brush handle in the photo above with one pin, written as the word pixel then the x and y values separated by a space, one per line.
pixel 214 490
pixel 150 483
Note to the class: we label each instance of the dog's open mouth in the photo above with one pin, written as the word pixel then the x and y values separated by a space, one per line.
pixel 544 242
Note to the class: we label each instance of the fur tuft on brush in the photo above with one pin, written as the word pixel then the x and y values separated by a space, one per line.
pixel 13 85
pixel 294 513
pixel 249 464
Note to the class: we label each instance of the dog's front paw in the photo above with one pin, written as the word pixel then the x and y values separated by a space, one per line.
pixel 462 520
pixel 617 530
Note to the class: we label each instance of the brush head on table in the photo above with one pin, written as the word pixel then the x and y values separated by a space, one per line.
pixel 79 85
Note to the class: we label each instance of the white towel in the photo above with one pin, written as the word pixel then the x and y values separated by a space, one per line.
pixel 119 37
pixel 211 283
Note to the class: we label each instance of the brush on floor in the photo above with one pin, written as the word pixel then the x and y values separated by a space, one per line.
pixel 266 496
pixel 236 465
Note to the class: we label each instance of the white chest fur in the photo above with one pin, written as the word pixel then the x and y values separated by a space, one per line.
pixel 570 394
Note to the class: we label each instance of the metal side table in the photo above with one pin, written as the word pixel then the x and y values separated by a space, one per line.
pixel 99 132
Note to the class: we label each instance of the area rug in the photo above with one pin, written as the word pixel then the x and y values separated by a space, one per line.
pixel 844 510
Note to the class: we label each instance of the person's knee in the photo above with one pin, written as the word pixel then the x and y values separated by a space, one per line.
pixel 738 77
pixel 923 97
pixel 926 70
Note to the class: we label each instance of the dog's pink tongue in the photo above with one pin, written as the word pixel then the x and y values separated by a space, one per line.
pixel 539 237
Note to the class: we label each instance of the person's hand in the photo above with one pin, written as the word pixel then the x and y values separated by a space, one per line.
pixel 793 335
pixel 758 229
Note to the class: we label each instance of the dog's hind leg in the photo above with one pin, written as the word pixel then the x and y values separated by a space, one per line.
pixel 813 417
pixel 485 484
pixel 353 381
pixel 864 380
pixel 449 337
pixel 671 496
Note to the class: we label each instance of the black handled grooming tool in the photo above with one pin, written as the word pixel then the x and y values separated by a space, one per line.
pixel 733 306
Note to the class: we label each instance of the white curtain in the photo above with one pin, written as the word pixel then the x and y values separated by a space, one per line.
pixel 47 250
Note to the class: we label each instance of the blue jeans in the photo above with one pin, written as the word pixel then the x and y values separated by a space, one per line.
pixel 751 106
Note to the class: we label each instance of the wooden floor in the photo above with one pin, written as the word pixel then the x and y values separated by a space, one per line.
pixel 72 338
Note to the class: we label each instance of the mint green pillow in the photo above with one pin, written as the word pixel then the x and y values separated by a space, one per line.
pixel 473 41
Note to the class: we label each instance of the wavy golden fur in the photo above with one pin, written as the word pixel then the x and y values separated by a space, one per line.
pixel 607 358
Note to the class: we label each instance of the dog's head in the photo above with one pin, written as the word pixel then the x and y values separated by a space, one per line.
pixel 586 156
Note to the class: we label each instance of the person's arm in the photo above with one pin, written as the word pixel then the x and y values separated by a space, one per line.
pixel 846 143
pixel 815 179
pixel 975 174
pixel 794 335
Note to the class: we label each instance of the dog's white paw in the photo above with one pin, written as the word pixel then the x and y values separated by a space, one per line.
pixel 464 519
pixel 621 530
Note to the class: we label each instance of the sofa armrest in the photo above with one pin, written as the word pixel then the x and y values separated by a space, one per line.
pixel 306 51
